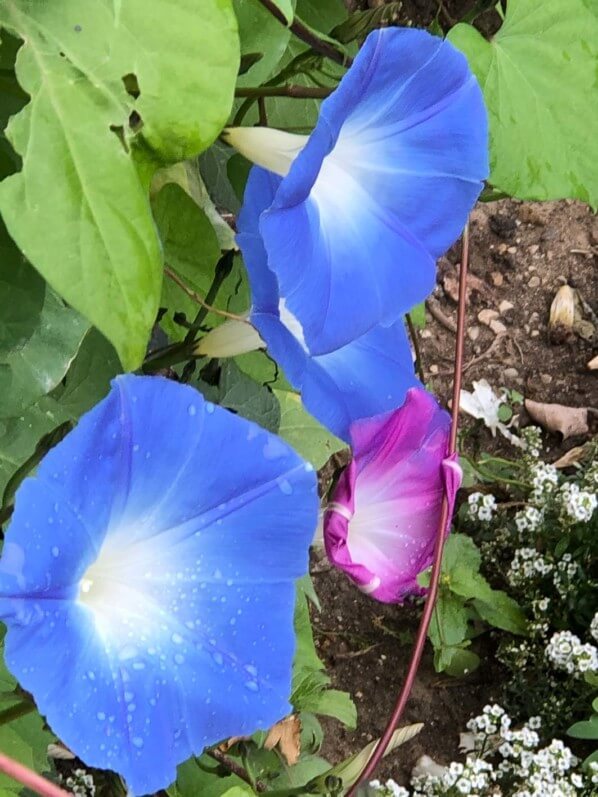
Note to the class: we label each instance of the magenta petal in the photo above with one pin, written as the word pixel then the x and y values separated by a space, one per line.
pixel 381 524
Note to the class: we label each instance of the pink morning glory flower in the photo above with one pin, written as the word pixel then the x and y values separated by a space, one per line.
pixel 381 524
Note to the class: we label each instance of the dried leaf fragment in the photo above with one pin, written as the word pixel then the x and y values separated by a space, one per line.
pixel 571 457
pixel 286 734
pixel 568 421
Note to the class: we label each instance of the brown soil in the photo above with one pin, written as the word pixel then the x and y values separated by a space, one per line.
pixel 520 253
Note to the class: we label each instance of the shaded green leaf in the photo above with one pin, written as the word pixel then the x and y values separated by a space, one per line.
pixel 19 436
pixel 538 74
pixel 238 392
pixel 586 729
pixel 88 379
pixel 26 741
pixel 191 249
pixel 39 336
pixel 202 776
pixel 260 32
pixel 308 437
pixel 502 611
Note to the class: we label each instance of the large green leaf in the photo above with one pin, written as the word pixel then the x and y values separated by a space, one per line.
pixel 308 437
pixel 39 336
pixel 79 208
pixel 538 74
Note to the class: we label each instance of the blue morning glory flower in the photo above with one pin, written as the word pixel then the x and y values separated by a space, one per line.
pixel 367 376
pixel 148 579
pixel 379 190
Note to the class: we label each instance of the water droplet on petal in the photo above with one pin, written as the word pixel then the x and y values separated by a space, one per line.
pixel 55 551
pixel 101 716
pixel 209 407
pixel 179 658
pixel 218 658
pixel 252 686
pixel 285 486
pixel 137 741
pixel 192 409
pixel 177 639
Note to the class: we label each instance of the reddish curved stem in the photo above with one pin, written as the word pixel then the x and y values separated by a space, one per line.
pixel 29 778
pixel 420 641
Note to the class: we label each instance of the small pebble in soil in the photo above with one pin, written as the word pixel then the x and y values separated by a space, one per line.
pixel 535 333
pixel 473 333
pixel 533 249
pixel 434 369
pixel 512 250
pixel 497 278
pixel 497 327
pixel 487 315
pixel 511 373
pixel 546 378
pixel 535 282
pixel 505 307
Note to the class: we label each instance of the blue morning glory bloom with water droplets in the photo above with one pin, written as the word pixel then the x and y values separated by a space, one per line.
pixel 147 579
pixel 379 190
pixel 365 377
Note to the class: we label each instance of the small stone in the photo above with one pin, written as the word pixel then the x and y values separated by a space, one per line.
pixel 434 369
pixel 473 333
pixel 425 333
pixel 535 333
pixel 501 249
pixel 487 315
pixel 511 373
pixel 533 249
pixel 534 318
pixel 498 327
pixel 535 282
pixel 546 378
pixel 497 278
pixel 505 307
pixel 512 250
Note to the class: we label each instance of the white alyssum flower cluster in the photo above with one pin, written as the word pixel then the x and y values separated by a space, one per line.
pixel 564 575
pixel 577 505
pixel 80 783
pixel 544 479
pixel 529 519
pixel 388 789
pixel 566 652
pixel 505 763
pixel 527 564
pixel 594 627
pixel 481 507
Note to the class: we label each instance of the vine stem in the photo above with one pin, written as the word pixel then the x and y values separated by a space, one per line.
pixel 29 778
pixel 234 768
pixel 420 641
pixel 199 299
pixel 297 92
pixel 306 35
